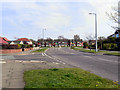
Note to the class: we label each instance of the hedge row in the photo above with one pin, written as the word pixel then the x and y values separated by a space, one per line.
pixel 112 46
pixel 17 46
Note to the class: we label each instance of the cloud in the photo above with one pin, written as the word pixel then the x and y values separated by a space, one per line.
pixel 57 16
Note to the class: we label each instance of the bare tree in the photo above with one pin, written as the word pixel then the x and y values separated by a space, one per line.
pixel 76 37
pixel 90 37
pixel 100 40
pixel 61 37
pixel 115 16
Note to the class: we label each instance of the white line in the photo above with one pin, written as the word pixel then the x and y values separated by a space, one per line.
pixel 107 60
pixel 2 62
pixel 43 54
pixel 54 58
pixel 87 56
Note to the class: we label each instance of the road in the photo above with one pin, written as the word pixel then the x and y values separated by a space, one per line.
pixel 102 65
pixel 14 65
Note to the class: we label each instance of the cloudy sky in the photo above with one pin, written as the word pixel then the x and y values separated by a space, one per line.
pixel 27 18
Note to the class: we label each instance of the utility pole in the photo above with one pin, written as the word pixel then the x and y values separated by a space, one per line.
pixel 95 29
pixel 43 34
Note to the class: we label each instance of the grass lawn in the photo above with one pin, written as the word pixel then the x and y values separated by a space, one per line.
pixel 41 50
pixel 65 78
pixel 93 51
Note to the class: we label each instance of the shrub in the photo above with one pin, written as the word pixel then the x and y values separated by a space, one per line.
pixel 13 46
pixel 19 46
pixel 111 46
pixel 85 44
pixel 31 46
pixel 5 46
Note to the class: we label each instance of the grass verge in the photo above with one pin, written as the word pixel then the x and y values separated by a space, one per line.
pixel 41 50
pixel 93 51
pixel 65 78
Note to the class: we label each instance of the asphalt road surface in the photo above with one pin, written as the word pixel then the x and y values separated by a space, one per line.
pixel 14 65
pixel 102 65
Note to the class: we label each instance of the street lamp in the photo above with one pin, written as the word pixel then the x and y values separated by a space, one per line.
pixel 43 34
pixel 95 27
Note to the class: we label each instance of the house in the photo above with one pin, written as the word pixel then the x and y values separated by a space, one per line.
pixel 92 42
pixel 15 42
pixel 5 39
pixel 24 41
pixel 116 34
pixel 2 41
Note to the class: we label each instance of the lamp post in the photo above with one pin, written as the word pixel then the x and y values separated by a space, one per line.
pixel 43 34
pixel 95 28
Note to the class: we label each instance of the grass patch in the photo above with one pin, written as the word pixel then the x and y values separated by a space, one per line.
pixel 113 53
pixel 84 50
pixel 65 78
pixel 41 50
pixel 93 51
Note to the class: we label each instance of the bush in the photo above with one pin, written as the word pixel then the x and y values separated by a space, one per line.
pixel 13 47
pixel 28 46
pixel 19 46
pixel 5 46
pixel 31 46
pixel 72 47
pixel 85 44
pixel 110 46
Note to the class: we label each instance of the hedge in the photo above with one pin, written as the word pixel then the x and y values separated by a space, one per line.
pixel 111 46
pixel 16 46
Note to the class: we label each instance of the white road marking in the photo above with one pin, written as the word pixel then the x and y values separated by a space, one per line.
pixel 43 54
pixel 18 61
pixel 54 58
pixel 55 63
pixel 2 62
pixel 34 61
pixel 87 56
pixel 107 60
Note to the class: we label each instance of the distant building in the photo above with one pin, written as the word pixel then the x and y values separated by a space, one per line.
pixel 2 41
pixel 116 34
pixel 24 41
pixel 4 38
pixel 92 42
pixel 15 42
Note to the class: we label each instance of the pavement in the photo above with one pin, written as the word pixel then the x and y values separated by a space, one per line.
pixel 15 65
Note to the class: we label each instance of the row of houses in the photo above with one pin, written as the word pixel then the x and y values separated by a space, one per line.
pixel 4 40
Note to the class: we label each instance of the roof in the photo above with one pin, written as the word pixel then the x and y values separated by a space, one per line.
pixel 23 39
pixel 3 41
pixel 4 38
pixel 117 31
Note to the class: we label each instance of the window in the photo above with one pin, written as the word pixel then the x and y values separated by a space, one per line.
pixel 117 35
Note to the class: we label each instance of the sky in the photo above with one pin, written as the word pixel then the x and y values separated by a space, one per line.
pixel 28 18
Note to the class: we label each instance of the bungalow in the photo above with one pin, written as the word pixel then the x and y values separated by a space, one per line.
pixel 2 41
pixel 24 41
pixel 15 42
pixel 5 39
